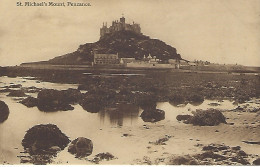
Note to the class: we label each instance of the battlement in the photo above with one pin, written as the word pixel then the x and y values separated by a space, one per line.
pixel 119 26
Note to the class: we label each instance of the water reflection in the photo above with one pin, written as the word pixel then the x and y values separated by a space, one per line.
pixel 119 114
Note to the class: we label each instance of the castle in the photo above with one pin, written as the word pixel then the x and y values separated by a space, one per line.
pixel 119 26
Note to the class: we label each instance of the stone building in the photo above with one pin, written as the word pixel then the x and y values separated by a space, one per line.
pixel 127 60
pixel 119 26
pixel 106 58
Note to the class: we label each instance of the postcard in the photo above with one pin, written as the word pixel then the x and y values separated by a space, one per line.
pixel 129 82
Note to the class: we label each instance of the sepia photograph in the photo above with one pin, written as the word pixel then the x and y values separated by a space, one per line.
pixel 130 82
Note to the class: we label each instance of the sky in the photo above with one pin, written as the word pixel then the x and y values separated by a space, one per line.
pixel 219 31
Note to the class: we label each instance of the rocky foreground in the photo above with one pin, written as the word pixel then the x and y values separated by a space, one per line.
pixel 234 142
pixel 202 137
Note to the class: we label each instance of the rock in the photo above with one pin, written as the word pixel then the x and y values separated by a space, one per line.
pixel 83 87
pixel 209 148
pixel 25 159
pixel 39 159
pixel 215 147
pixel 32 89
pixel 41 139
pixel 242 98
pixel 4 111
pixel 256 162
pixel 162 141
pixel 196 99
pixel 254 110
pixel 126 135
pixel 176 100
pixel 5 90
pixel 242 153
pixel 81 147
pixel 181 160
pixel 240 160
pixel 54 149
pixel 222 147
pixel 209 117
pixel 183 117
pixel 72 96
pixel 214 104
pixel 14 86
pixel 30 102
pixel 210 154
pixel 103 156
pixel 236 148
pixel 92 104
pixel 16 93
pixel 152 115
pixel 54 100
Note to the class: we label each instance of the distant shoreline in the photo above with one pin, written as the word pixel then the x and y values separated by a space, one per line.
pixel 206 69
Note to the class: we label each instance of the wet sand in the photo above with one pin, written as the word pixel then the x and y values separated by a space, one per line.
pixel 128 137
pixel 185 139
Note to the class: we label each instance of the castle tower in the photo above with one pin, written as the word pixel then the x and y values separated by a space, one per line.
pixel 118 26
pixel 122 20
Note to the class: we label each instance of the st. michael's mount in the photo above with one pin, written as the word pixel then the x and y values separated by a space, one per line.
pixel 118 42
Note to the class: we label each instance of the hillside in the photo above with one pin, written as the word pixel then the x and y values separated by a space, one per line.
pixel 125 43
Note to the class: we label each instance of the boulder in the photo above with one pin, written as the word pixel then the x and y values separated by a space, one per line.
pixel 30 102
pixel 236 148
pixel 103 156
pixel 183 117
pixel 242 153
pixel 54 100
pixel 42 139
pixel 256 162
pixel 4 111
pixel 5 90
pixel 196 99
pixel 210 154
pixel 215 147
pixel 81 147
pixel 209 117
pixel 181 160
pixel 92 104
pixel 152 115
pixel 72 96
pixel 16 93
pixel 240 160
pixel 176 100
